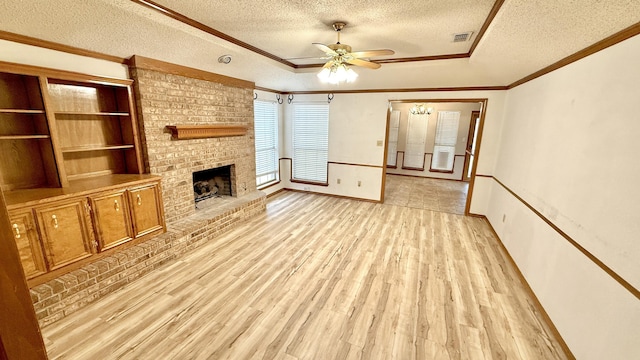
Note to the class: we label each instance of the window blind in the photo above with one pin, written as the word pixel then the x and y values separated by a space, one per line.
pixel 266 137
pixel 310 141
pixel 446 139
pixel 416 138
pixel 392 148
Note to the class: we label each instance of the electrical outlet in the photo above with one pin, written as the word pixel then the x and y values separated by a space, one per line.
pixel 359 183
pixel 338 181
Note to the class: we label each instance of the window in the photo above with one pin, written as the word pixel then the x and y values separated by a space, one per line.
pixel 266 135
pixel 310 142
pixel 444 150
pixel 394 124
pixel 416 137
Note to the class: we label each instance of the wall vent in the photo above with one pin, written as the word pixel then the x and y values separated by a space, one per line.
pixel 462 37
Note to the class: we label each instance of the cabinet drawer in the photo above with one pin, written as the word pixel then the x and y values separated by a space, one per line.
pixel 145 210
pixel 111 219
pixel 64 233
pixel 29 247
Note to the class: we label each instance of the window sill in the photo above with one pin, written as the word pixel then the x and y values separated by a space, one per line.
pixel 268 185
pixel 441 171
pixel 412 168
pixel 309 182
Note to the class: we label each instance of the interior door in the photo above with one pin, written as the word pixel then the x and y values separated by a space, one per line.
pixel 20 336
pixel 474 126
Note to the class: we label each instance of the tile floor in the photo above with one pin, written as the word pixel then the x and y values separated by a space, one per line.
pixel 447 196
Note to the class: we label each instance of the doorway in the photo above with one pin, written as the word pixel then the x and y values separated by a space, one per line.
pixel 431 153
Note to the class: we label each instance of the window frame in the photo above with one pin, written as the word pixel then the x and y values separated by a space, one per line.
pixel 441 141
pixel 273 146
pixel 302 143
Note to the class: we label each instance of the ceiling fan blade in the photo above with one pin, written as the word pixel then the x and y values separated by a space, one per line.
pixel 363 63
pixel 324 48
pixel 311 58
pixel 372 53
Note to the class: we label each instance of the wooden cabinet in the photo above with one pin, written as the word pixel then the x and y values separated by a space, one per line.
pixel 112 219
pixel 64 233
pixel 54 230
pixel 71 168
pixel 29 246
pixel 66 126
pixel 146 209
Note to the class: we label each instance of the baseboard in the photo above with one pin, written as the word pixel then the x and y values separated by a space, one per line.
pixel 537 303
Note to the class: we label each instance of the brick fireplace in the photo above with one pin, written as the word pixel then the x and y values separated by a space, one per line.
pixel 169 95
pixel 166 99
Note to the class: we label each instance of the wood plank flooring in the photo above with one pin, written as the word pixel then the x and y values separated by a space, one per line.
pixel 318 277
pixel 442 195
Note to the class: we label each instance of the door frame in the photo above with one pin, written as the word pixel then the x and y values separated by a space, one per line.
pixel 483 110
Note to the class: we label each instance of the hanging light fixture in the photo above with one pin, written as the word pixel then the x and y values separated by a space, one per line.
pixel 420 109
pixel 336 73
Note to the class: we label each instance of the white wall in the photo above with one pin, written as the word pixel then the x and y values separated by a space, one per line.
pixel 37 56
pixel 569 148
pixel 357 122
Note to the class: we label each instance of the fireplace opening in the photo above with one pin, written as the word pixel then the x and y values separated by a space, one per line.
pixel 212 183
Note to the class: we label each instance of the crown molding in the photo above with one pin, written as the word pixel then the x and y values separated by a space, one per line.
pixel 618 37
pixel 200 26
pixel 27 40
pixel 209 30
pixel 141 62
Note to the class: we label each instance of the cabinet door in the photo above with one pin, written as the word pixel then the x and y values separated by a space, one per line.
pixel 64 233
pixel 145 208
pixel 111 219
pixel 29 247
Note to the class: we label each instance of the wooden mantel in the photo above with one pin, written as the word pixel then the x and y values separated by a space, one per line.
pixel 183 132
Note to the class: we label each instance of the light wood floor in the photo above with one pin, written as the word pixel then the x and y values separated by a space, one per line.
pixel 319 277
pixel 424 193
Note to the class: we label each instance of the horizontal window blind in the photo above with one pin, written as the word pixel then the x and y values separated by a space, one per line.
pixel 446 139
pixel 310 141
pixel 266 137
pixel 392 148
pixel 416 138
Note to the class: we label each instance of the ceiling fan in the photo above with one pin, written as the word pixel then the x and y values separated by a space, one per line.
pixel 342 52
pixel 338 55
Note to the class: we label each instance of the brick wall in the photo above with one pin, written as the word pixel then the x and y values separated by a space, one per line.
pixel 166 99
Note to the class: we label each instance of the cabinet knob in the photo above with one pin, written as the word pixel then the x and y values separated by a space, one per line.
pixel 55 221
pixel 16 229
pixel 139 199
pixel 117 206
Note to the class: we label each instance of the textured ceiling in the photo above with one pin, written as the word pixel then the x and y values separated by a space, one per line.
pixel 287 28
pixel 525 36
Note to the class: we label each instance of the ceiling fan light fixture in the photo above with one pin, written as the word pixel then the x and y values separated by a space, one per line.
pixel 337 73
